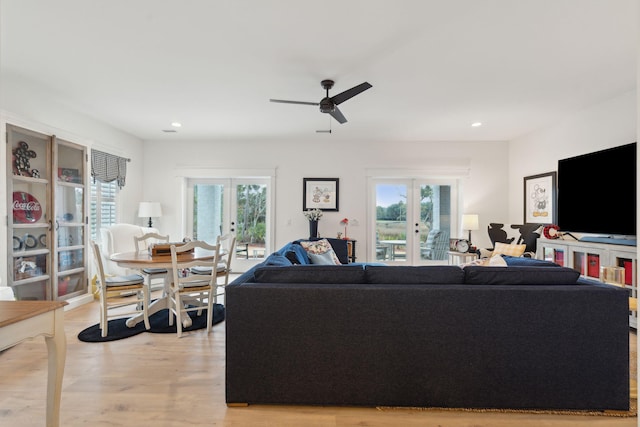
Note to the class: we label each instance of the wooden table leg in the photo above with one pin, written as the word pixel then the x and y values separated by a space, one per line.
pixel 57 353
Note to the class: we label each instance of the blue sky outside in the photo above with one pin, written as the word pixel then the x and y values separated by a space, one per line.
pixel 387 194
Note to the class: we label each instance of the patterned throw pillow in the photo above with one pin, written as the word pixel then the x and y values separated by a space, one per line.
pixel 320 247
pixel 511 250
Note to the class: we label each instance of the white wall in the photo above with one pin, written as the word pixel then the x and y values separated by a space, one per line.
pixel 484 189
pixel 29 107
pixel 608 124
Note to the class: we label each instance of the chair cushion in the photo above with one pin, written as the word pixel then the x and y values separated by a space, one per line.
pixel 132 279
pixel 154 270
pixel 222 267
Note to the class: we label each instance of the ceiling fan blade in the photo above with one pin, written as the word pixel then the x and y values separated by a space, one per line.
pixel 337 114
pixel 284 101
pixel 350 93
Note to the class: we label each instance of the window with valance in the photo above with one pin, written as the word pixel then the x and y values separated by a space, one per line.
pixel 107 167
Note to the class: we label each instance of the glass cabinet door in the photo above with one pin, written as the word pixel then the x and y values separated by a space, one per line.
pixel 29 226
pixel 70 222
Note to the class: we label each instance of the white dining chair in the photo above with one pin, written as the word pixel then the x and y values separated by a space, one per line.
pixel 142 243
pixel 227 243
pixel 114 292
pixel 190 292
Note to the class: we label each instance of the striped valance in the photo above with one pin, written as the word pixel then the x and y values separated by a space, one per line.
pixel 107 167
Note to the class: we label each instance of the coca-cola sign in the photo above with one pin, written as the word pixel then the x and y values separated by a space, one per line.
pixel 26 208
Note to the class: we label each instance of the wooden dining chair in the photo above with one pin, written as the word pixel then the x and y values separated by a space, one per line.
pixel 142 243
pixel 227 243
pixel 112 290
pixel 191 292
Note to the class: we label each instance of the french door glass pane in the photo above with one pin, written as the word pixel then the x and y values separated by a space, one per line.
pixel 435 221
pixel 251 211
pixel 207 211
pixel 391 222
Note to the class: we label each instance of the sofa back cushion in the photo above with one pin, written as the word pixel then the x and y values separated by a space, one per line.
pixel 415 275
pixel 331 274
pixel 518 275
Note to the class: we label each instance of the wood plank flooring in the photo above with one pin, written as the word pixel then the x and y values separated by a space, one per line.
pixel 162 381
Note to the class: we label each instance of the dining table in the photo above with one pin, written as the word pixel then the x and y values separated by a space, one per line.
pixel 144 259
pixel 24 320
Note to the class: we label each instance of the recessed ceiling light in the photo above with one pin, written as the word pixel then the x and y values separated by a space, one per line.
pixel 169 130
pixel 176 124
pixel 476 124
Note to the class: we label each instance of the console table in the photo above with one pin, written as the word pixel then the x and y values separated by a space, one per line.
pixel 23 320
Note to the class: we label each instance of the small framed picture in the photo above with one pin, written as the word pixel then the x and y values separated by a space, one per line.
pixel 540 198
pixel 320 193
pixel 69 175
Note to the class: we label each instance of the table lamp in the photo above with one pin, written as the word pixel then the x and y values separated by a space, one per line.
pixel 149 210
pixel 470 222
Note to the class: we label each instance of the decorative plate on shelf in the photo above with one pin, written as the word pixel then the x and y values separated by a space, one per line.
pixel 26 208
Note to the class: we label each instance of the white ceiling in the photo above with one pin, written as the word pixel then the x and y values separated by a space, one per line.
pixel 435 66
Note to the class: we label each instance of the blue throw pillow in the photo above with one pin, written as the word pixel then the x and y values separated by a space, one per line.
pixel 278 260
pixel 527 262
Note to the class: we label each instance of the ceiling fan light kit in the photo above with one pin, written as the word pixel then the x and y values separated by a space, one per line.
pixel 328 104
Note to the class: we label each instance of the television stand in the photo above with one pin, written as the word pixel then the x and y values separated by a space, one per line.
pixel 588 256
pixel 609 240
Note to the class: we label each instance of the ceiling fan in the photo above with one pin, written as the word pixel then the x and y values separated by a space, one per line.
pixel 330 104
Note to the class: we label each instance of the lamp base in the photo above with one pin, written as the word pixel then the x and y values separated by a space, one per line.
pixel 150 223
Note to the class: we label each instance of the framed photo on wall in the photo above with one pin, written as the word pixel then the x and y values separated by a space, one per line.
pixel 540 200
pixel 320 193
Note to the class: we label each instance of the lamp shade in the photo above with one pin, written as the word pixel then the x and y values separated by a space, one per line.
pixel 470 222
pixel 149 210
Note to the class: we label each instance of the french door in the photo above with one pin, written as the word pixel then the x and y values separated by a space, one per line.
pixel 411 220
pixel 238 205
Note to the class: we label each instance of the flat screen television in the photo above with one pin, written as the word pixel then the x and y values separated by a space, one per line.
pixel 597 193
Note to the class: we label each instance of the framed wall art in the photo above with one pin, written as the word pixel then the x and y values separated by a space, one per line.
pixel 320 193
pixel 540 202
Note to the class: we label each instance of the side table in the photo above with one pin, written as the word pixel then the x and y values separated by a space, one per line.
pixel 457 258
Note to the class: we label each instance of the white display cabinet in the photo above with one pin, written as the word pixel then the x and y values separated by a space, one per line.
pixel 47 222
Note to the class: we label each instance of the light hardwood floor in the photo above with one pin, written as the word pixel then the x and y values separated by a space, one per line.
pixel 162 381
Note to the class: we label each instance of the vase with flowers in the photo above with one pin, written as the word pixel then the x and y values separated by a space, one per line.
pixel 313 215
pixel 345 222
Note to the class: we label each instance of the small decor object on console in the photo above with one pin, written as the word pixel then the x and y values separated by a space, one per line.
pixel 345 222
pixel 551 231
pixel 313 215
pixel 462 245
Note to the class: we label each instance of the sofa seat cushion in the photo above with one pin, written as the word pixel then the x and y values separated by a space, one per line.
pixel 415 275
pixel 519 275
pixel 331 274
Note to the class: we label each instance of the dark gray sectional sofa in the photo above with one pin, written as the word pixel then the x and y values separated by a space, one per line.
pixel 521 337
